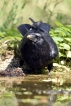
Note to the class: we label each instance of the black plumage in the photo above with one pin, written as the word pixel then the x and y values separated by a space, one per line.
pixel 38 49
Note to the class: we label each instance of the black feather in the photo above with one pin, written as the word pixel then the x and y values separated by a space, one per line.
pixel 24 28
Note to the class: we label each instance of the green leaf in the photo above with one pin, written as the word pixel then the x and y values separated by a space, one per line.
pixel 58 30
pixel 68 39
pixel 61 54
pixel 65 46
pixel 59 24
pixel 69 54
pixel 59 39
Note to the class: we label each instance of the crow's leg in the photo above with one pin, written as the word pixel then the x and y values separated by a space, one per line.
pixel 50 66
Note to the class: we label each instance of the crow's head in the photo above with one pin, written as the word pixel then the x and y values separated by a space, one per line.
pixel 36 38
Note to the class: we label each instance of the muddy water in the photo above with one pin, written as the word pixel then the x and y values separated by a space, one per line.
pixel 35 90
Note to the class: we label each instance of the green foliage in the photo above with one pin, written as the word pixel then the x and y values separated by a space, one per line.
pixel 10 38
pixel 62 36
pixel 9 18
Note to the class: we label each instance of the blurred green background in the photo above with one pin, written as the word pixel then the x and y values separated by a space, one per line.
pixel 55 12
pixel 15 12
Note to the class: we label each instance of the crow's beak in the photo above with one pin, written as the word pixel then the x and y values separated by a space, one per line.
pixel 30 37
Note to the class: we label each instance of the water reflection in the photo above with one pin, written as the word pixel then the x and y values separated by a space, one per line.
pixel 34 92
pixel 41 94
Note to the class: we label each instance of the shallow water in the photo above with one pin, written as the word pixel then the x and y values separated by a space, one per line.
pixel 34 90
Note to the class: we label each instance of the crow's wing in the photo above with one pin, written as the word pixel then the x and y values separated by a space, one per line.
pixel 44 27
pixel 24 28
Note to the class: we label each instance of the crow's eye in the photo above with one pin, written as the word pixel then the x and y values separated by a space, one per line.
pixel 30 28
pixel 37 37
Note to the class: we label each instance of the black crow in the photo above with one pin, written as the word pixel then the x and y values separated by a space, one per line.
pixel 37 48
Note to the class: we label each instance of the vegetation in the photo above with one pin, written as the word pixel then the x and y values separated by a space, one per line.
pixel 12 17
pixel 62 36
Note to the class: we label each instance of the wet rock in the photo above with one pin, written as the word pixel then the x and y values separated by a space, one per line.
pixel 13 72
